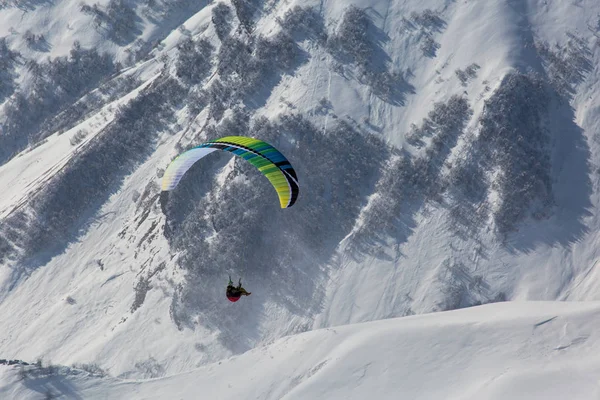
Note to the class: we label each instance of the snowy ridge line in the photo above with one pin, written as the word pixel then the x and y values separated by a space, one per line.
pixel 34 187
pixel 519 350
pixel 4 361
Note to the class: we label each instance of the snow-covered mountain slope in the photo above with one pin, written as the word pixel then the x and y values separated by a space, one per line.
pixel 535 350
pixel 447 154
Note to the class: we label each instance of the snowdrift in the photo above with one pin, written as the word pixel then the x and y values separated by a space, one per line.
pixel 534 350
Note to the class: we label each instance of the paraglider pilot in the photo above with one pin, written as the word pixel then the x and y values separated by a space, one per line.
pixel 234 293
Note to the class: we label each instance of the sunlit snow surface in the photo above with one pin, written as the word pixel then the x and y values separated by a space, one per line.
pixel 536 350
pixel 76 307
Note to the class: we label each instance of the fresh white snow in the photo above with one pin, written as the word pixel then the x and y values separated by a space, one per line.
pixel 518 350
pixel 490 352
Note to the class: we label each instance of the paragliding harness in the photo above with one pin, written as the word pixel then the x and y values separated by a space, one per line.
pixel 234 293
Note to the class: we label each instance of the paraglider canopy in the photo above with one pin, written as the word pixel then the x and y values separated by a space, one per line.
pixel 266 158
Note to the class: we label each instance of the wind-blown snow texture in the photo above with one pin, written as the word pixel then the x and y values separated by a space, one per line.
pixel 500 351
pixel 447 153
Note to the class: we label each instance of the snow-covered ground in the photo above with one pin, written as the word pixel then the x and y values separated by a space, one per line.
pixel 519 350
pixel 76 306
